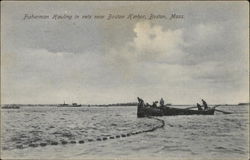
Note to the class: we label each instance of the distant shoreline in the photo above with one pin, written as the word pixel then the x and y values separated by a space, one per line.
pixel 115 104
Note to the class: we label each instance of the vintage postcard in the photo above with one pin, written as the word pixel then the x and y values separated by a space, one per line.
pixel 124 80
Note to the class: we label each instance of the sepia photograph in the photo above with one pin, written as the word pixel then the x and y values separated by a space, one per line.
pixel 125 80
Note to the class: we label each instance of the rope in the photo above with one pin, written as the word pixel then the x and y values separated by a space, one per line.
pixel 63 142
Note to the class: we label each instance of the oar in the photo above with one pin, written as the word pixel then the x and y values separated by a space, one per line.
pixel 196 107
pixel 216 106
pixel 223 111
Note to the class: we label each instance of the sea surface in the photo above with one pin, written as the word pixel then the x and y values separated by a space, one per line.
pixel 29 132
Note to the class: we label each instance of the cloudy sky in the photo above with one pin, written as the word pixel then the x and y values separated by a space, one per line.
pixel 203 55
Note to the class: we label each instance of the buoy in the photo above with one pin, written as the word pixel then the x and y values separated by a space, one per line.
pixel 150 130
pixel 33 145
pixel 81 142
pixel 43 144
pixel 54 143
pixel 64 142
pixel 90 140
pixel 105 138
pixel 118 136
pixel 123 135
pixel 19 146
pixel 112 137
pixel 73 142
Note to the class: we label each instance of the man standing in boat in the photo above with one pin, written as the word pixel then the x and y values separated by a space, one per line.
pixel 204 104
pixel 155 104
pixel 141 102
pixel 161 102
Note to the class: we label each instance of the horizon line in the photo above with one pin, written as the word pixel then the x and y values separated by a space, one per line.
pixel 118 103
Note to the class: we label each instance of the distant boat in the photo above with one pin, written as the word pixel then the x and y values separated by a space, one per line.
pixel 76 105
pixel 67 105
pixel 144 111
pixel 14 106
pixel 63 105
pixel 243 104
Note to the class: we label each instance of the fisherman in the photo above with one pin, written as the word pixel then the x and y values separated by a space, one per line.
pixel 161 102
pixel 141 102
pixel 204 104
pixel 199 107
pixel 155 104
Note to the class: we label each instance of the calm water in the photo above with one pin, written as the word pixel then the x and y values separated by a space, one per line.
pixel 218 136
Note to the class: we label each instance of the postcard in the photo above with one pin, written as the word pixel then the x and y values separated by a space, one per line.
pixel 124 80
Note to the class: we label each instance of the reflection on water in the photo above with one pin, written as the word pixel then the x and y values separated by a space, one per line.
pixel 26 133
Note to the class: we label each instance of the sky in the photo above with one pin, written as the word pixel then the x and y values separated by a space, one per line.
pixel 205 54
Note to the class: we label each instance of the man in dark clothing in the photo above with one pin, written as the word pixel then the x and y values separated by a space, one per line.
pixel 141 102
pixel 204 104
pixel 147 105
pixel 161 102
pixel 155 104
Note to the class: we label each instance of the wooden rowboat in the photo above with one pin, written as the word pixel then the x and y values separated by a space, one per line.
pixel 144 111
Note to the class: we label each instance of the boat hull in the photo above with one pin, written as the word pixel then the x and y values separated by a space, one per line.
pixel 143 111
